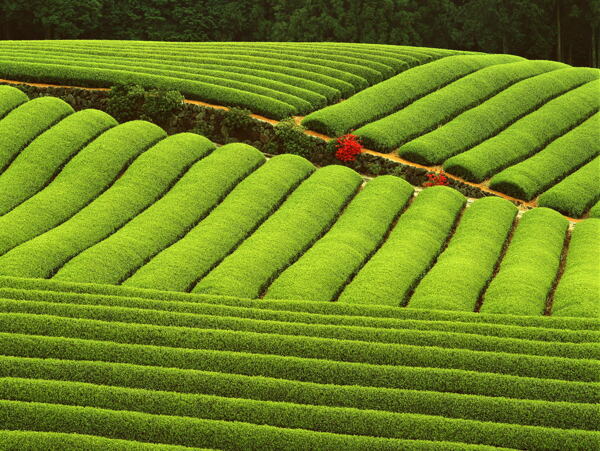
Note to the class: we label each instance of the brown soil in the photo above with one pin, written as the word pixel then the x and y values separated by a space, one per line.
pixel 298 119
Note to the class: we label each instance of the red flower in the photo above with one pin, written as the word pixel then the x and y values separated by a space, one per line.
pixel 348 147
pixel 436 179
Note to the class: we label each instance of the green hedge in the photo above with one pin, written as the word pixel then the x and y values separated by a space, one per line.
pixel 595 210
pixel 576 193
pixel 10 98
pixel 578 288
pixel 327 312
pixel 25 122
pixel 107 77
pixel 486 120
pixel 204 342
pixel 408 251
pixel 464 268
pixel 205 433
pixel 527 136
pixel 530 265
pixel 300 221
pixel 394 93
pixel 437 108
pixel 323 271
pixel 266 318
pixel 148 178
pixel 452 405
pixel 319 370
pixel 85 177
pixel 337 420
pixel 44 157
pixel 167 220
pixel 182 264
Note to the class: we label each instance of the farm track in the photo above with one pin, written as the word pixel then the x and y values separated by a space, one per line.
pixel 393 156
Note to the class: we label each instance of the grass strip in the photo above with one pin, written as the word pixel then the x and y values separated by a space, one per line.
pixel 298 223
pixel 452 405
pixel 149 177
pixel 25 122
pixel 530 265
pixel 182 264
pixel 396 92
pixel 464 268
pixel 337 420
pixel 579 287
pixel 36 165
pixel 202 187
pixel 206 340
pixel 317 370
pixel 495 114
pixel 527 136
pixel 25 287
pixel 576 193
pixel 432 110
pixel 321 273
pixel 84 178
pixel 409 250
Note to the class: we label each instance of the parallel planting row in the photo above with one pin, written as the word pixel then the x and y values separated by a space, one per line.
pixel 113 367
pixel 274 79
pixel 126 205
pixel 529 127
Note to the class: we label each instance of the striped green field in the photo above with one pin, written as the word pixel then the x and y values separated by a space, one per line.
pixel 167 293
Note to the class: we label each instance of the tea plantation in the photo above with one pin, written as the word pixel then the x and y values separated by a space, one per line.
pixel 167 292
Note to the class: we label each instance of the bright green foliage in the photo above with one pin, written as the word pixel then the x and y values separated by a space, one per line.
pixel 567 330
pixel 47 154
pixel 525 137
pixel 439 338
pixel 10 98
pixel 463 270
pixel 321 273
pixel 85 177
pixel 432 110
pixel 595 210
pixel 578 289
pixel 32 440
pixel 492 116
pixel 575 194
pixel 393 94
pixel 151 175
pixel 409 250
pixel 25 122
pixel 298 223
pixel 561 157
pixel 452 405
pixel 179 266
pixel 530 265
pixel 289 415
pixel 201 188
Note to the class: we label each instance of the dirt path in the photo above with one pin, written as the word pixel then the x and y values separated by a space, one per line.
pixel 298 119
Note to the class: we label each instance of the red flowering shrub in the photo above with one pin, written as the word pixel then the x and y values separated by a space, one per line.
pixel 348 147
pixel 436 179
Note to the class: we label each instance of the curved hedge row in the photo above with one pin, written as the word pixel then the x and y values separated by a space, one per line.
pixel 576 193
pixel 464 268
pixel 409 250
pixel 394 93
pixel 37 163
pixel 10 98
pixel 85 177
pixel 530 265
pixel 200 189
pixel 148 178
pixel 525 137
pixel 323 271
pixel 309 211
pixel 182 264
pixel 432 110
pixel 484 121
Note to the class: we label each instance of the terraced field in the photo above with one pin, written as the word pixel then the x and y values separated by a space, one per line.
pixel 164 292
pixel 275 79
